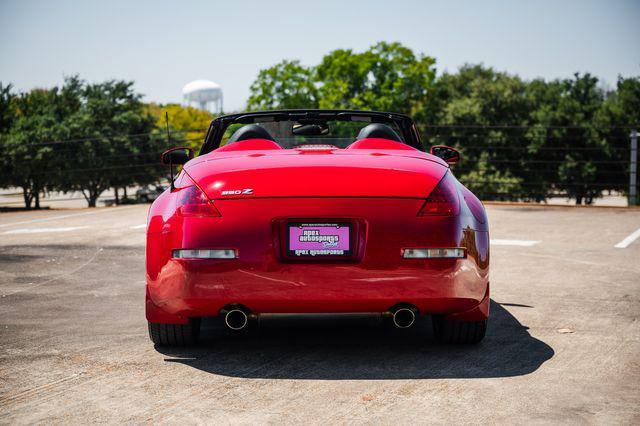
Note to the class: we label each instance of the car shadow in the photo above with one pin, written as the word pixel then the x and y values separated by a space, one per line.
pixel 361 349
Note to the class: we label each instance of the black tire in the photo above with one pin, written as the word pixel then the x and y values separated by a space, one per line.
pixel 459 332
pixel 174 334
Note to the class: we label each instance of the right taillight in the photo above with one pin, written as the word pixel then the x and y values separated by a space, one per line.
pixel 191 201
pixel 443 200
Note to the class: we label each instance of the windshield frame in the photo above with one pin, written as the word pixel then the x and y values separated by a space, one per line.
pixel 218 126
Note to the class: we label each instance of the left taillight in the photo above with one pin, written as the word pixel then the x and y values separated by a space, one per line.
pixel 193 202
pixel 443 200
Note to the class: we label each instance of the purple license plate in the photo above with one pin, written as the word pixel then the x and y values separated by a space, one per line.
pixel 319 239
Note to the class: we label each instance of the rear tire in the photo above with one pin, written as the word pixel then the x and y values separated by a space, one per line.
pixel 174 334
pixel 459 332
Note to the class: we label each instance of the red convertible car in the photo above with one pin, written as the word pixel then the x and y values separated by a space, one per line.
pixel 316 212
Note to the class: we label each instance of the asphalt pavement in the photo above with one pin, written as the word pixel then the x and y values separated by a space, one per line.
pixel 562 346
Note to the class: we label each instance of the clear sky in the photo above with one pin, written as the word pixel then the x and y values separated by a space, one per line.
pixel 163 45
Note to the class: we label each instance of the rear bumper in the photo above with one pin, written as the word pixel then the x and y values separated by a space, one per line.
pixel 260 279
pixel 198 288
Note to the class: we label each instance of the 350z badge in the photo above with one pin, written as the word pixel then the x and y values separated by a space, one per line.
pixel 246 191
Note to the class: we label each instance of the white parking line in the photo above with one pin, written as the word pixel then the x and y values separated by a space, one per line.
pixel 627 241
pixel 144 225
pixel 43 230
pixel 522 243
pixel 64 216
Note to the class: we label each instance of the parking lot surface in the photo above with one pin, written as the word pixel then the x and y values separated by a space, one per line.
pixel 562 344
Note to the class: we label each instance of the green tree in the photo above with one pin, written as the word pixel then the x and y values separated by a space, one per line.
pixel 84 137
pixel 494 157
pixel 620 114
pixel 7 108
pixel 487 181
pixel 477 95
pixel 187 124
pixel 569 111
pixel 7 117
pixel 287 85
pixel 118 148
pixel 386 77
pixel 27 146
pixel 551 137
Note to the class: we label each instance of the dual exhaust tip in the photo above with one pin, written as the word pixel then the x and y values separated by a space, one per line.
pixel 237 319
pixel 404 317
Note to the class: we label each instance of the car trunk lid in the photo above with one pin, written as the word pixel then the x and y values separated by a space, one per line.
pixel 331 173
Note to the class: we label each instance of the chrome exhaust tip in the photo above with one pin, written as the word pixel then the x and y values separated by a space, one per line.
pixel 236 319
pixel 404 317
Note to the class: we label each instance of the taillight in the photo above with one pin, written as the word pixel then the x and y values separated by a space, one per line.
pixel 191 201
pixel 444 200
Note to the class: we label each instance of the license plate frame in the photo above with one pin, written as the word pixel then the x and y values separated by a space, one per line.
pixel 335 249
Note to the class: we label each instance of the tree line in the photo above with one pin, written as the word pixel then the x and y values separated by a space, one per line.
pixel 520 139
pixel 86 137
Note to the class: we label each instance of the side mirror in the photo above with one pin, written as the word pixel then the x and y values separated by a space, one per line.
pixel 448 154
pixel 177 155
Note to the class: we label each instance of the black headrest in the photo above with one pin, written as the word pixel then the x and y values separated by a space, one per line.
pixel 250 131
pixel 378 130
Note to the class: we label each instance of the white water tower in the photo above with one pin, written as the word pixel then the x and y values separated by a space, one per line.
pixel 203 94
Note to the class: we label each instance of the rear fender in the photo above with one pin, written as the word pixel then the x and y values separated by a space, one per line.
pixel 156 314
pixel 479 313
